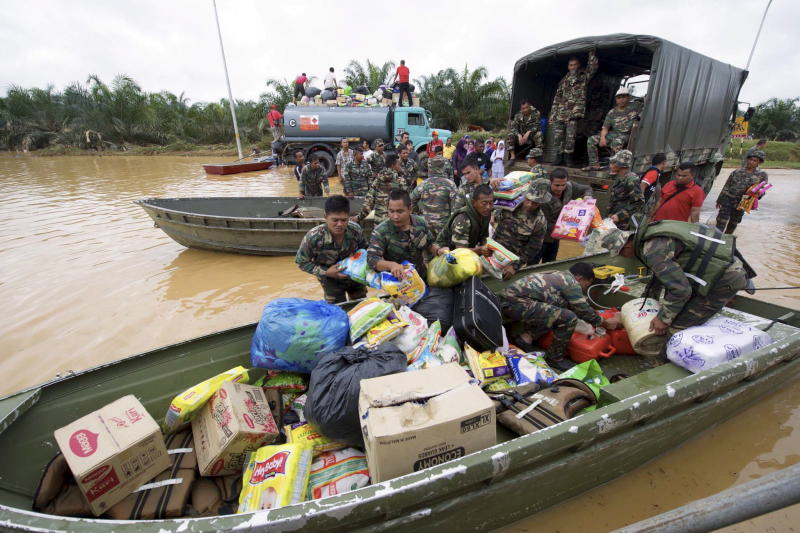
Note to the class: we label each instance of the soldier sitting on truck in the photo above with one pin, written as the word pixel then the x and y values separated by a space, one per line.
pixel 408 168
pixel 525 131
pixel 357 176
pixel 569 105
pixel 327 244
pixel 313 179
pixel 378 195
pixel 377 159
pixel 616 128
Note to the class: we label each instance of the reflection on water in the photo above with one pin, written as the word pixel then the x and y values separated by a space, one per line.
pixel 85 278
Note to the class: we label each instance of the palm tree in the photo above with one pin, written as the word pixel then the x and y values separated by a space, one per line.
pixel 777 119
pixel 461 99
pixel 370 74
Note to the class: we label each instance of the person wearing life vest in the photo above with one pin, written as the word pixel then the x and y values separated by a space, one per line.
pixel 697 266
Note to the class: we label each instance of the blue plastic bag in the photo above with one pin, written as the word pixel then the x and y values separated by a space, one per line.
pixel 294 333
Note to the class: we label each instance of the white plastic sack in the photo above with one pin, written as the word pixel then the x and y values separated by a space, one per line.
pixel 411 335
pixel 718 341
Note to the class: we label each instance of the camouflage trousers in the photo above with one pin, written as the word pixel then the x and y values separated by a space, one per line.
pixel 615 142
pixel 728 217
pixel 701 308
pixel 564 136
pixel 534 140
pixel 537 318
pixel 338 291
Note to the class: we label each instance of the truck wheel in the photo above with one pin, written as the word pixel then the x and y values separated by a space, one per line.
pixel 327 162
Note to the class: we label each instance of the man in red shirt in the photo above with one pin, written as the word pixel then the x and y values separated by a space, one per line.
pixel 402 76
pixel 435 141
pixel 300 86
pixel 275 119
pixel 681 198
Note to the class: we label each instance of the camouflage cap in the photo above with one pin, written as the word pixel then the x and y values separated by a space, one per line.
pixel 623 158
pixel 379 142
pixel 614 240
pixel 535 152
pixel 759 154
pixel 539 191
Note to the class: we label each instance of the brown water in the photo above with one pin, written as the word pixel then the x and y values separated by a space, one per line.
pixel 85 278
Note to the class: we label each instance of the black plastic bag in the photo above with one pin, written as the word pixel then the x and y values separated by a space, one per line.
pixel 327 94
pixel 311 92
pixel 437 305
pixel 362 89
pixel 332 397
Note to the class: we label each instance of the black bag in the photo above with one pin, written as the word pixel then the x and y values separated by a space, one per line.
pixel 311 92
pixel 476 315
pixel 332 397
pixel 437 305
pixel 361 89
pixel 326 95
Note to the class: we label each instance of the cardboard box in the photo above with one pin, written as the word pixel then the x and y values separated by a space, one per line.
pixel 235 421
pixel 403 434
pixel 112 451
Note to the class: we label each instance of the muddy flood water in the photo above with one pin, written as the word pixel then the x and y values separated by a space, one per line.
pixel 85 279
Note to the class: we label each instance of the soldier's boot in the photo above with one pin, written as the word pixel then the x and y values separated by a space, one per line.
pixel 560 159
pixel 567 159
pixel 554 356
pixel 731 228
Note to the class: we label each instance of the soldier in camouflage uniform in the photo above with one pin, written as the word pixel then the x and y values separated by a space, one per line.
pixel 522 230
pixel 408 169
pixel 683 305
pixel 327 244
pixel 525 130
pixel 471 177
pixel 537 169
pixel 759 146
pixel 386 180
pixel 439 166
pixel 434 200
pixel 550 301
pixel 377 159
pixel 562 191
pixel 569 105
pixel 313 179
pixel 616 128
pixel 469 226
pixel 357 176
pixel 404 237
pixel 741 179
pixel 626 196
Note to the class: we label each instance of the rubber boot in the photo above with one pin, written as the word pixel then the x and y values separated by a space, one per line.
pixel 557 361
pixel 731 228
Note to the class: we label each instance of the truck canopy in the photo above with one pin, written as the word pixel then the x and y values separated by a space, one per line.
pixel 690 97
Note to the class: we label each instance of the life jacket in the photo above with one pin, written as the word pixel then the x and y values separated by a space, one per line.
pixel 706 254
pixel 478 228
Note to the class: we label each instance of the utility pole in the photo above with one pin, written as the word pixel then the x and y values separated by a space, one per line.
pixel 758 34
pixel 228 81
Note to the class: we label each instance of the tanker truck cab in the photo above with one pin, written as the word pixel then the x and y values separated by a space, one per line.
pixel 416 121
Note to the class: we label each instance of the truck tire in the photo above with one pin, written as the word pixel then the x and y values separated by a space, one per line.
pixel 327 161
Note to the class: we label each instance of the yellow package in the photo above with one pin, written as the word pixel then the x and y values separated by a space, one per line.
pixel 305 434
pixel 486 367
pixel 407 291
pixel 390 328
pixel 275 476
pixel 453 268
pixel 188 403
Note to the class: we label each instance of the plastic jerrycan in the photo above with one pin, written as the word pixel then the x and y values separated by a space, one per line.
pixel 583 347
pixel 619 337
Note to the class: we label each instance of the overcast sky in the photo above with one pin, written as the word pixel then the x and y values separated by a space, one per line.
pixel 172 45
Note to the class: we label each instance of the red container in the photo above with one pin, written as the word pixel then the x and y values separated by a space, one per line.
pixel 582 347
pixel 619 337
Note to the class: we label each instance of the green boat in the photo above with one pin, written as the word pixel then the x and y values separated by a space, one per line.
pixel 654 410
pixel 245 225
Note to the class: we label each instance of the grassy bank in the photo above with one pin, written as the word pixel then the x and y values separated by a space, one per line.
pixel 779 154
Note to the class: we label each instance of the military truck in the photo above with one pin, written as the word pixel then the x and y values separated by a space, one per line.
pixel 690 101
pixel 319 130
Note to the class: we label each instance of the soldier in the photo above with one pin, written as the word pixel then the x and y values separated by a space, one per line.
pixel 325 245
pixel 313 179
pixel 741 179
pixel 357 176
pixel 403 237
pixel 469 226
pixel 760 145
pixel 408 169
pixel 439 166
pixel 626 198
pixel 616 129
pixel 569 105
pixel 471 177
pixel 434 200
pixel 525 131
pixel 377 159
pixel 537 169
pixel 386 180
pixel 550 301
pixel 344 156
pixel 522 230
pixel 698 274
pixel 562 191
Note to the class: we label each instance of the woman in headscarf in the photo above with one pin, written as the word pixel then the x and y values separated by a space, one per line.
pixel 459 155
pixel 489 147
pixel 498 170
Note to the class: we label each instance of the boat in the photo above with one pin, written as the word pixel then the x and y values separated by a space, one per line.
pixel 654 410
pixel 246 225
pixel 236 167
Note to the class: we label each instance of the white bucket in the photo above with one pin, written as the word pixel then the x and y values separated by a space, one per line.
pixel 636 319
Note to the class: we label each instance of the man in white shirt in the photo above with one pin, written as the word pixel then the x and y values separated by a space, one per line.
pixel 330 81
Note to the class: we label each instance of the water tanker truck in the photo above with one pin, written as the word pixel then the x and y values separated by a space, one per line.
pixel 319 130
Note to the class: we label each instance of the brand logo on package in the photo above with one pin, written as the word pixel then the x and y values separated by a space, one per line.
pixel 107 480
pixel 439 458
pixel 83 443
pixel 475 422
pixel 269 468
pixel 309 122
